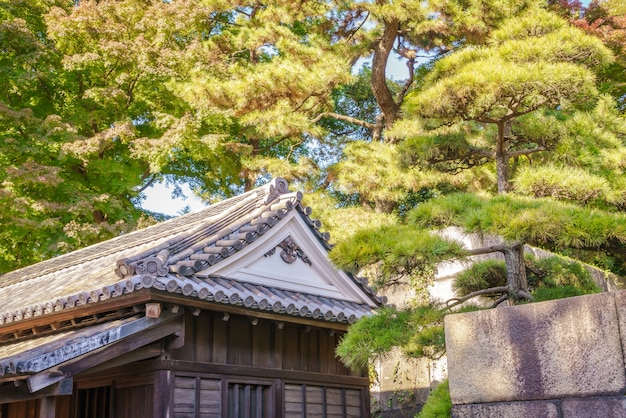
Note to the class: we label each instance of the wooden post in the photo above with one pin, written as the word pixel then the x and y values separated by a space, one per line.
pixel 47 407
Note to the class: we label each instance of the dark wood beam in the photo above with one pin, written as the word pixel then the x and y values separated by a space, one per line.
pixel 143 353
pixel 258 372
pixel 153 330
pixel 12 393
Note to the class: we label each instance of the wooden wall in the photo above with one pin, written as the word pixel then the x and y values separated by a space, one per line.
pixel 225 397
pixel 24 409
pixel 268 344
pixel 311 401
pixel 240 367
pixel 193 393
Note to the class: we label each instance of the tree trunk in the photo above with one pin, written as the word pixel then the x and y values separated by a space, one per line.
pixel 247 181
pixel 516 271
pixel 384 206
pixel 381 91
pixel 248 175
pixel 502 163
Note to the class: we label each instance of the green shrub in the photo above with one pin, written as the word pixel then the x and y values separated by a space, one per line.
pixel 438 404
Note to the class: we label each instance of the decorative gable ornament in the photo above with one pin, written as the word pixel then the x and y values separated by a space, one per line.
pixel 290 252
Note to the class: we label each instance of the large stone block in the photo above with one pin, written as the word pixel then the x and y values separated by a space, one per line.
pixel 594 408
pixel 543 409
pixel 549 350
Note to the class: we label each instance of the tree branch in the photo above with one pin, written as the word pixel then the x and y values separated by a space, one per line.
pixel 405 88
pixel 490 291
pixel 484 153
pixel 493 248
pixel 499 301
pixel 514 154
pixel 514 113
pixel 148 184
pixel 484 119
pixel 344 118
pixel 468 157
pixel 358 28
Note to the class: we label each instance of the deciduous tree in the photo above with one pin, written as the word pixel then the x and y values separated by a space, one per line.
pixel 607 20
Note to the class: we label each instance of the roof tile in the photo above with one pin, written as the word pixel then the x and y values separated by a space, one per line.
pixel 168 256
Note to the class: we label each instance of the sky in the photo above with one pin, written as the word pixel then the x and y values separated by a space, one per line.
pixel 159 199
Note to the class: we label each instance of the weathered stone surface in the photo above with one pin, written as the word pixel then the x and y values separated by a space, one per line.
pixel 558 349
pixel 543 409
pixel 594 408
pixel 620 303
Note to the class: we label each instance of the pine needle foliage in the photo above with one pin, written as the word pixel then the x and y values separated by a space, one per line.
pixel 370 170
pixel 548 278
pixel 480 275
pixel 560 278
pixel 587 164
pixel 345 220
pixel 396 250
pixel 445 211
pixel 476 102
pixel 418 332
pixel 428 341
pixel 563 183
pixel 543 222
pixel 374 336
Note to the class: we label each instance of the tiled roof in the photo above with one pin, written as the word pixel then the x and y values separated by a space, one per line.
pixel 30 356
pixel 170 257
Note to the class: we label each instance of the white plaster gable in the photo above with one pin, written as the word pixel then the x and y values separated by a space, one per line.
pixel 311 272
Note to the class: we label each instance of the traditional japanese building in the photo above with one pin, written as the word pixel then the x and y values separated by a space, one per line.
pixel 232 311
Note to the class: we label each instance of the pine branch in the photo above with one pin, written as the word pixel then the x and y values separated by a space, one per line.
pixel 518 153
pixel 148 183
pixel 490 291
pixel 410 54
pixel 469 158
pixel 499 301
pixel 493 248
pixel 358 28
pixel 344 118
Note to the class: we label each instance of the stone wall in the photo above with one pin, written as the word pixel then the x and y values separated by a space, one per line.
pixel 402 385
pixel 561 358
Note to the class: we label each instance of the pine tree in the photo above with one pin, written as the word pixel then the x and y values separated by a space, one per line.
pixel 526 108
